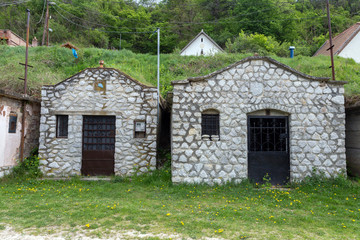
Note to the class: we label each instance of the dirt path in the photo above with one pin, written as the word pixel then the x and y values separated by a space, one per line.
pixel 10 234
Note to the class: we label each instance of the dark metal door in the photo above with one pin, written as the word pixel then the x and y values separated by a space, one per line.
pixel 268 149
pixel 98 145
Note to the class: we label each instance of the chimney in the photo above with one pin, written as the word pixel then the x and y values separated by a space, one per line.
pixel 101 63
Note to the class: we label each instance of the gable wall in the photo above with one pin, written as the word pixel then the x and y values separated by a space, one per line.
pixel 316 118
pixel 352 50
pixel 194 49
pixel 76 97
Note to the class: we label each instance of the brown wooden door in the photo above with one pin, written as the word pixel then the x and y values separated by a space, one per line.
pixel 98 145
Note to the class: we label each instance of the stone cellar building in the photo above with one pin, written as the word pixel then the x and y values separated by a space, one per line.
pixel 256 118
pixel 98 122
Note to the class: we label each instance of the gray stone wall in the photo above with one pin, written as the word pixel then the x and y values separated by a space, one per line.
pixel 315 107
pixel 5 171
pixel 125 98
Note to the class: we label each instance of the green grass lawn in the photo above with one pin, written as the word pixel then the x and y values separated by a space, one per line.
pixel 55 64
pixel 315 209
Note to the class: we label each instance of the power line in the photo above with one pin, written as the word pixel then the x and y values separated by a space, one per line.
pixel 231 4
pixel 42 14
pixel 221 19
pixel 99 13
pixel 205 22
pixel 84 19
pixel 242 21
pixel 93 22
pixel 100 29
pixel 13 3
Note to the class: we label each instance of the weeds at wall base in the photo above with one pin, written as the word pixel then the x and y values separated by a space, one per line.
pixel 27 169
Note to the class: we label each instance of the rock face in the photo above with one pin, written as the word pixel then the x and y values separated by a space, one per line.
pixel 314 106
pixel 98 92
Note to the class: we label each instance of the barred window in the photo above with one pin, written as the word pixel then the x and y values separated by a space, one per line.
pixel 62 126
pixel 210 124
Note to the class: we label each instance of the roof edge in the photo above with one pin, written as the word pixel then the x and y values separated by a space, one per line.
pixel 117 70
pixel 271 60
pixel 316 53
pixel 343 46
pixel 162 101
pixel 202 32
pixel 18 96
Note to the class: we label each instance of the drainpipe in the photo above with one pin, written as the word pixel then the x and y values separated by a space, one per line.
pixel 22 142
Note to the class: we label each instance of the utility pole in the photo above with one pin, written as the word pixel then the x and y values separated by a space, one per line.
pixel 330 41
pixel 158 76
pixel 22 142
pixel 120 42
pixel 46 25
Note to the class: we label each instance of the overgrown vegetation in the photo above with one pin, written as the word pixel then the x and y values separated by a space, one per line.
pixel 317 208
pixel 27 169
pixel 265 45
pixel 55 64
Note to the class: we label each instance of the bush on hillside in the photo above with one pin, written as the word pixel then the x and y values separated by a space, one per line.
pixel 266 45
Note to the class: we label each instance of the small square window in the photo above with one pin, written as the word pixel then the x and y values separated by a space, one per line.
pixel 12 123
pixel 140 129
pixel 210 125
pixel 62 126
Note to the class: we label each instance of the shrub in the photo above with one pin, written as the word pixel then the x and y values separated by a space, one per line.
pixel 29 168
pixel 265 45
pixel 253 43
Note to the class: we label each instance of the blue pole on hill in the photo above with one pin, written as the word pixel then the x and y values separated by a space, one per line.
pixel 291 48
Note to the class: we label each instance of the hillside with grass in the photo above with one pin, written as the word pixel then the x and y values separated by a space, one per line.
pixel 54 64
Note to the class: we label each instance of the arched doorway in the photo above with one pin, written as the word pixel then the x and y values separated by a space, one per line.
pixel 268 146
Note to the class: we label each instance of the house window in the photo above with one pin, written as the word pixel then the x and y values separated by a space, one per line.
pixel 140 129
pixel 210 126
pixel 202 52
pixel 202 40
pixel 62 126
pixel 12 123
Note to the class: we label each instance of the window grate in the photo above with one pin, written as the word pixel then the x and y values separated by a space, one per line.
pixel 210 124
pixel 99 133
pixel 62 126
pixel 268 135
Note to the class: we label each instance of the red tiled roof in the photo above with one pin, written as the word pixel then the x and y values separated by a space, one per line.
pixel 340 41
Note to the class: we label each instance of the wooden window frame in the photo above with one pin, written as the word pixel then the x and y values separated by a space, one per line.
pixel 62 126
